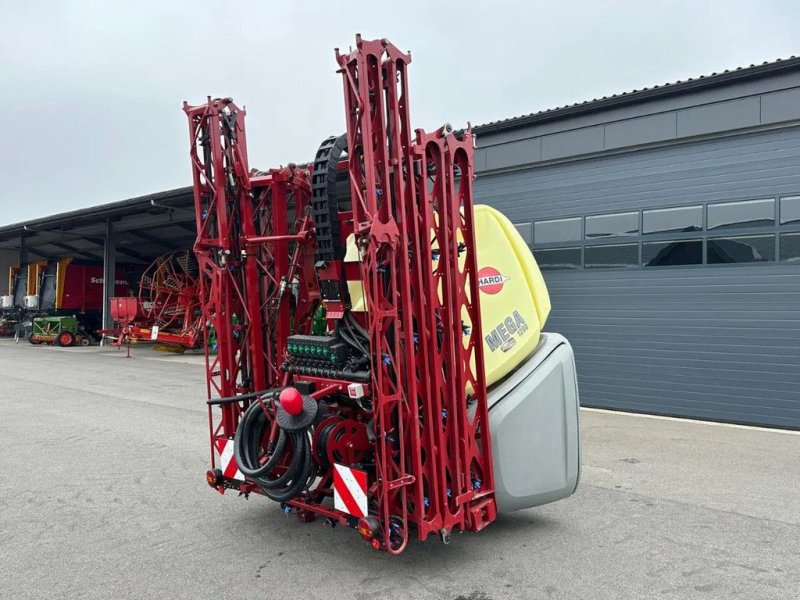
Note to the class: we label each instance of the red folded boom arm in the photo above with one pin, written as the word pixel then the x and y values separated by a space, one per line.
pixel 393 394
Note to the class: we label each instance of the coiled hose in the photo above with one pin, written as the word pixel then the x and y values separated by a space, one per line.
pixel 299 474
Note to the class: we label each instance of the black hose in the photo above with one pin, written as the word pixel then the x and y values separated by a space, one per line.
pixel 353 322
pixel 300 473
pixel 359 376
pixel 344 333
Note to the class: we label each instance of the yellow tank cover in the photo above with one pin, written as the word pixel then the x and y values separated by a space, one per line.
pixel 514 299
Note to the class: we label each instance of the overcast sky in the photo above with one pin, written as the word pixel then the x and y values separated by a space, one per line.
pixel 92 90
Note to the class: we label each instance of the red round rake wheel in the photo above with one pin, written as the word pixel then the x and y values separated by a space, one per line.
pixel 168 290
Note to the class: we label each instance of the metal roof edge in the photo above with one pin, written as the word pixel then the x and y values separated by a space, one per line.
pixel 109 209
pixel 669 89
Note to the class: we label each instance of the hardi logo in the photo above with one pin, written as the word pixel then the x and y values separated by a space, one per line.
pixel 490 280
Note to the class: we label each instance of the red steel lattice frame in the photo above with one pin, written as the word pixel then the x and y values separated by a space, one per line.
pixel 412 219
pixel 243 240
pixel 430 396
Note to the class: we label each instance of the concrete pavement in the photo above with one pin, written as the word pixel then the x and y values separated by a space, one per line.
pixel 103 496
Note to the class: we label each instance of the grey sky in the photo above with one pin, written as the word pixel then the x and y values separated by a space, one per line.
pixel 93 89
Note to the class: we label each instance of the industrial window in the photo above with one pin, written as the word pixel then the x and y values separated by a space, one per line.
pixel 612 225
pixel 621 255
pixel 731 215
pixel 558 258
pixel 558 230
pixel 790 210
pixel 727 232
pixel 679 252
pixel 790 247
pixel 749 249
pixel 526 231
pixel 673 220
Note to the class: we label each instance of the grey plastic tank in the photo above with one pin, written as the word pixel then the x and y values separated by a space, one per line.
pixel 534 424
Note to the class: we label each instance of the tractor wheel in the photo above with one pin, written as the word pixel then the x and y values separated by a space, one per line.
pixel 85 341
pixel 33 340
pixel 65 338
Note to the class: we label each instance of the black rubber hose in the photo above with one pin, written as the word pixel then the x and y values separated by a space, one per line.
pixel 247 447
pixel 354 323
pixel 343 333
pixel 322 443
pixel 247 443
pixel 360 376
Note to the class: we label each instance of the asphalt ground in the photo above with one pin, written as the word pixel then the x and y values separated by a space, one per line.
pixel 102 495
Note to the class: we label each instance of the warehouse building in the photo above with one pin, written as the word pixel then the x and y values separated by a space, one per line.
pixel 124 237
pixel 666 222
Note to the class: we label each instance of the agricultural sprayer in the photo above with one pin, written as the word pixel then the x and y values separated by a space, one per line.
pixel 429 399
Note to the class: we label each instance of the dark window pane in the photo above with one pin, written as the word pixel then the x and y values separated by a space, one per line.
pixel 753 213
pixel 560 230
pixel 790 247
pixel 681 252
pixel 624 255
pixel 673 220
pixel 609 225
pixel 526 231
pixel 741 249
pixel 790 210
pixel 558 258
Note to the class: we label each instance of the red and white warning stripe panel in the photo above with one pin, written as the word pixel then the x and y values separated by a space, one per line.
pixel 350 490
pixel 227 461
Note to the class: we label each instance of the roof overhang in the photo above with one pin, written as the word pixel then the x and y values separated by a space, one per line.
pixel 144 228
pixel 643 95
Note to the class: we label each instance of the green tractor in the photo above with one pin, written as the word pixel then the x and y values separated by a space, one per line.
pixel 59 331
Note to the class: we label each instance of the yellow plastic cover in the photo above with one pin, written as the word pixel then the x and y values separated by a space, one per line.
pixel 514 298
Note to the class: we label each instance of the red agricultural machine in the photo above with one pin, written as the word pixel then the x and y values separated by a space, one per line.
pixel 167 310
pixel 56 288
pixel 428 399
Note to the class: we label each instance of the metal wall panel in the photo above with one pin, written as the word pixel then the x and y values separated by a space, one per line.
pixel 753 87
pixel 745 105
pixel 780 106
pixel 720 116
pixel 716 341
pixel 570 143
pixel 641 130
pixel 510 154
pixel 730 168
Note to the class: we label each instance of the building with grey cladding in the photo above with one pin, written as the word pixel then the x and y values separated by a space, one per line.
pixel 667 225
pixel 666 222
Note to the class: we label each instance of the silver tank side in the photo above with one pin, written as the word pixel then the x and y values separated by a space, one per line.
pixel 534 424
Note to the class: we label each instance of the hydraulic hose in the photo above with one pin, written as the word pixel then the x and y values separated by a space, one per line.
pixel 247 447
pixel 360 376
